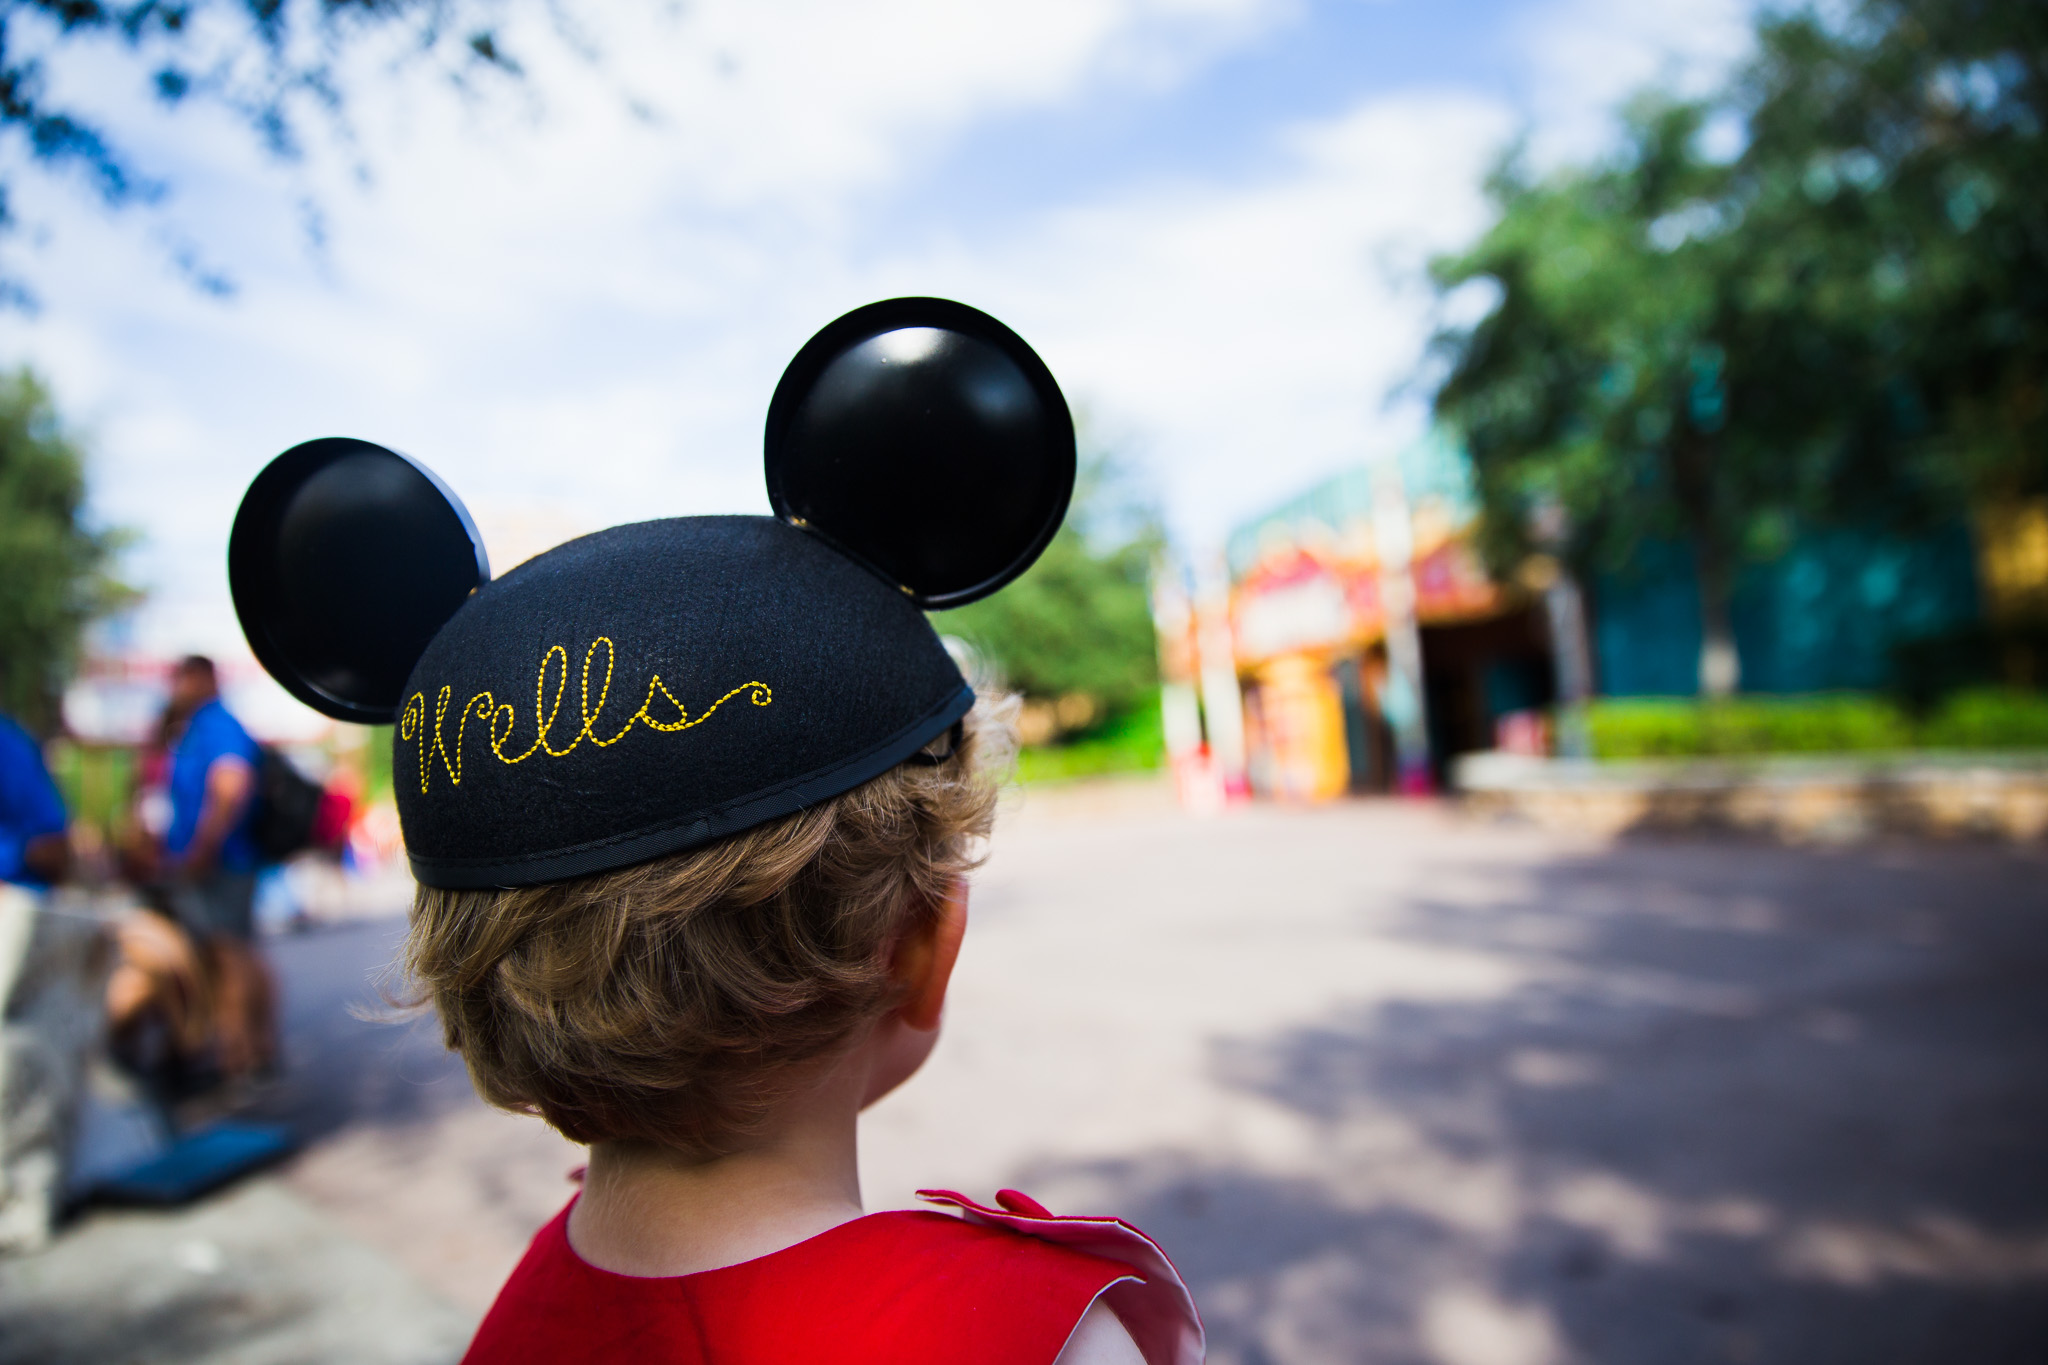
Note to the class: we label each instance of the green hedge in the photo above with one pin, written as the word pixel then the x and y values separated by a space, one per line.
pixel 1129 743
pixel 95 781
pixel 1989 718
pixel 1684 727
pixel 377 764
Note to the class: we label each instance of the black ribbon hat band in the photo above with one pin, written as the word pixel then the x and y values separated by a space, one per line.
pixel 658 685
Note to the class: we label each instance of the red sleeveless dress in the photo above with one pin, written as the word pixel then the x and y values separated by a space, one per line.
pixel 992 1287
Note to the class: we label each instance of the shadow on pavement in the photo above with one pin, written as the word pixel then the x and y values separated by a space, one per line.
pixel 253 1275
pixel 192 1327
pixel 1749 1105
pixel 341 1068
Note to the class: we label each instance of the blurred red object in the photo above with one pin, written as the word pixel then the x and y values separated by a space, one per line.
pixel 331 821
pixel 1523 732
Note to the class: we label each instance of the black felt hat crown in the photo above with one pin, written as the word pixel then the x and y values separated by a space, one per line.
pixel 659 685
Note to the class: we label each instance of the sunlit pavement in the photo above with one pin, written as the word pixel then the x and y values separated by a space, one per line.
pixel 1391 1086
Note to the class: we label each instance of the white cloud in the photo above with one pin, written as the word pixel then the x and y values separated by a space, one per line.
pixel 578 318
pixel 1251 332
pixel 1587 56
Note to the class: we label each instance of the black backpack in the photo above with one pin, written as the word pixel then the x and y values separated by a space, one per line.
pixel 287 804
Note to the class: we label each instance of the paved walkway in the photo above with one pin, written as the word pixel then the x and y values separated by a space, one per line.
pixel 1392 1087
pixel 254 1276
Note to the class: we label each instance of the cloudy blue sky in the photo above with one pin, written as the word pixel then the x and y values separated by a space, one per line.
pixel 573 300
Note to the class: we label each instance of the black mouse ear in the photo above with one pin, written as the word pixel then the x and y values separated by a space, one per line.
pixel 926 439
pixel 345 560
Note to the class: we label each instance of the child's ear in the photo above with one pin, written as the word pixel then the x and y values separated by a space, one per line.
pixel 924 960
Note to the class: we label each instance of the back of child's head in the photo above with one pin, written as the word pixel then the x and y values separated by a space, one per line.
pixel 661 786
pixel 688 801
pixel 676 1000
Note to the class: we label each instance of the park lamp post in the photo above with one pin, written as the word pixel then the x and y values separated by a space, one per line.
pixel 1402 699
pixel 1564 608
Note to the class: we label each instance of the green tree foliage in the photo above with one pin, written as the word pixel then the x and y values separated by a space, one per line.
pixel 1841 320
pixel 1898 163
pixel 1601 381
pixel 1080 619
pixel 55 570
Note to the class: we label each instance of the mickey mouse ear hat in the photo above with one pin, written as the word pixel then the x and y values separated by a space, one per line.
pixel 659 685
pixel 928 441
pixel 344 561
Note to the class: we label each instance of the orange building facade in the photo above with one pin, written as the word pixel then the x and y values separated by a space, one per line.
pixel 1368 640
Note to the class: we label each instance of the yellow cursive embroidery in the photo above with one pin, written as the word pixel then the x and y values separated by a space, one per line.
pixel 501 720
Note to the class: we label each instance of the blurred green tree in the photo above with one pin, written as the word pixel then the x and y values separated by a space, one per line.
pixel 1897 165
pixel 1079 621
pixel 1610 379
pixel 1816 296
pixel 57 569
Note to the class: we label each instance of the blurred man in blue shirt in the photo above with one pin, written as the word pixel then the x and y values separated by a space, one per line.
pixel 33 848
pixel 211 861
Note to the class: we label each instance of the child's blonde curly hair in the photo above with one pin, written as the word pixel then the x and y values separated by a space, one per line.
pixel 671 1001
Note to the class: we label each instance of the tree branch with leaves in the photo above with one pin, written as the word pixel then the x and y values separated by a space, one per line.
pixel 275 65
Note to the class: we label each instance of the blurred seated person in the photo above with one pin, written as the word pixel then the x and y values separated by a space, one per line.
pixel 34 849
pixel 159 1010
pixel 209 862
